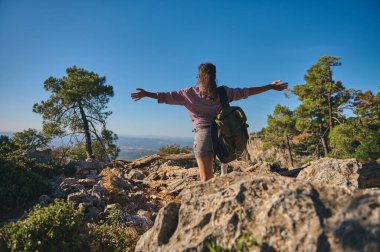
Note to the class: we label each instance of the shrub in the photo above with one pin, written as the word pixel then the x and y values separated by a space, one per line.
pixel 20 185
pixel 57 227
pixel 30 139
pixel 245 243
pixel 174 149
pixel 112 235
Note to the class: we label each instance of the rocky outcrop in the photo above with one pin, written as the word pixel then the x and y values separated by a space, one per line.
pixel 279 213
pixel 137 189
pixel 330 171
pixel 86 168
pixel 317 207
pixel 257 155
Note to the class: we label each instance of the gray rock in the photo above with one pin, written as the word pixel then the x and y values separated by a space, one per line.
pixel 119 182
pixel 79 197
pixel 357 226
pixel 134 174
pixel 334 172
pixel 282 214
pixel 71 185
pixel 140 222
pixel 112 207
pixel 99 195
pixel 87 182
pixel 88 167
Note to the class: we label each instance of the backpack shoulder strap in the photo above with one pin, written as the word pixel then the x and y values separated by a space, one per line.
pixel 223 97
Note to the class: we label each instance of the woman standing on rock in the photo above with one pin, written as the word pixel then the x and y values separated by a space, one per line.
pixel 202 103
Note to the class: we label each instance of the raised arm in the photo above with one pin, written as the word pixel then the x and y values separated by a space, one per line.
pixel 142 93
pixel 173 98
pixel 275 85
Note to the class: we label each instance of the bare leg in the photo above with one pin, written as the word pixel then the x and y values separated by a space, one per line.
pixel 223 169
pixel 205 167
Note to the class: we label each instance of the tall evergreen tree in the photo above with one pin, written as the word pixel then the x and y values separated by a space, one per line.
pixel 323 101
pixel 76 106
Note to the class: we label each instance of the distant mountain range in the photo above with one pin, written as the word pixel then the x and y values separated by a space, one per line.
pixel 132 147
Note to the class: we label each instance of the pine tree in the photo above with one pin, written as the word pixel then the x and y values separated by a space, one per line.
pixel 76 106
pixel 323 101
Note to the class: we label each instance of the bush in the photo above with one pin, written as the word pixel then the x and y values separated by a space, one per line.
pixel 245 243
pixel 20 185
pixel 60 227
pixel 352 140
pixel 174 149
pixel 57 227
pixel 30 139
pixel 112 235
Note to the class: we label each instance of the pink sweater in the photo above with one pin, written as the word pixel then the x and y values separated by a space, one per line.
pixel 202 112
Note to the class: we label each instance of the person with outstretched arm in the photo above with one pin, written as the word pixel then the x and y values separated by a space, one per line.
pixel 202 103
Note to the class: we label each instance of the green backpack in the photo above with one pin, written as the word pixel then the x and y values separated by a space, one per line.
pixel 229 130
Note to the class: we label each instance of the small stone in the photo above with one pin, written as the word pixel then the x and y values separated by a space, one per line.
pixel 79 197
pixel 87 182
pixel 44 200
pixel 112 207
pixel 133 174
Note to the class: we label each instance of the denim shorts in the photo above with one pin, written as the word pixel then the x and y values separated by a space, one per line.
pixel 203 142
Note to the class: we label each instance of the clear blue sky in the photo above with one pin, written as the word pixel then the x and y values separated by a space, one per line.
pixel 157 45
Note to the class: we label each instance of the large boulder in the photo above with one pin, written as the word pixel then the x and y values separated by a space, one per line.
pixel 330 171
pixel 269 213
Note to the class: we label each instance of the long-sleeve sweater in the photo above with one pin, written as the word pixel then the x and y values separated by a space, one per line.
pixel 202 112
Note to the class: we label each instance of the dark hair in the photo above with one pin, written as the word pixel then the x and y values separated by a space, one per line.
pixel 207 79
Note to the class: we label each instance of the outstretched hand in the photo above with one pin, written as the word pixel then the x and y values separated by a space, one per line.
pixel 278 85
pixel 138 95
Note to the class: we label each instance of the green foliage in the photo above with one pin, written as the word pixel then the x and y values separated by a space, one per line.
pixel 107 149
pixel 245 243
pixel 174 149
pixel 280 130
pixel 60 227
pixel 57 227
pixel 77 152
pixel 344 140
pixel 76 106
pixel 30 139
pixel 322 104
pixel 6 146
pixel 112 235
pixel 359 137
pixel 215 247
pixel 280 125
pixel 104 151
pixel 21 182
pixel 369 149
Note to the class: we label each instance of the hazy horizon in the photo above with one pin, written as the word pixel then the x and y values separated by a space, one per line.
pixel 133 147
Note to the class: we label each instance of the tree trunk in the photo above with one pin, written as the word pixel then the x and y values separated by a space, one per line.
pixel 86 133
pixel 324 144
pixel 331 122
pixel 289 151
